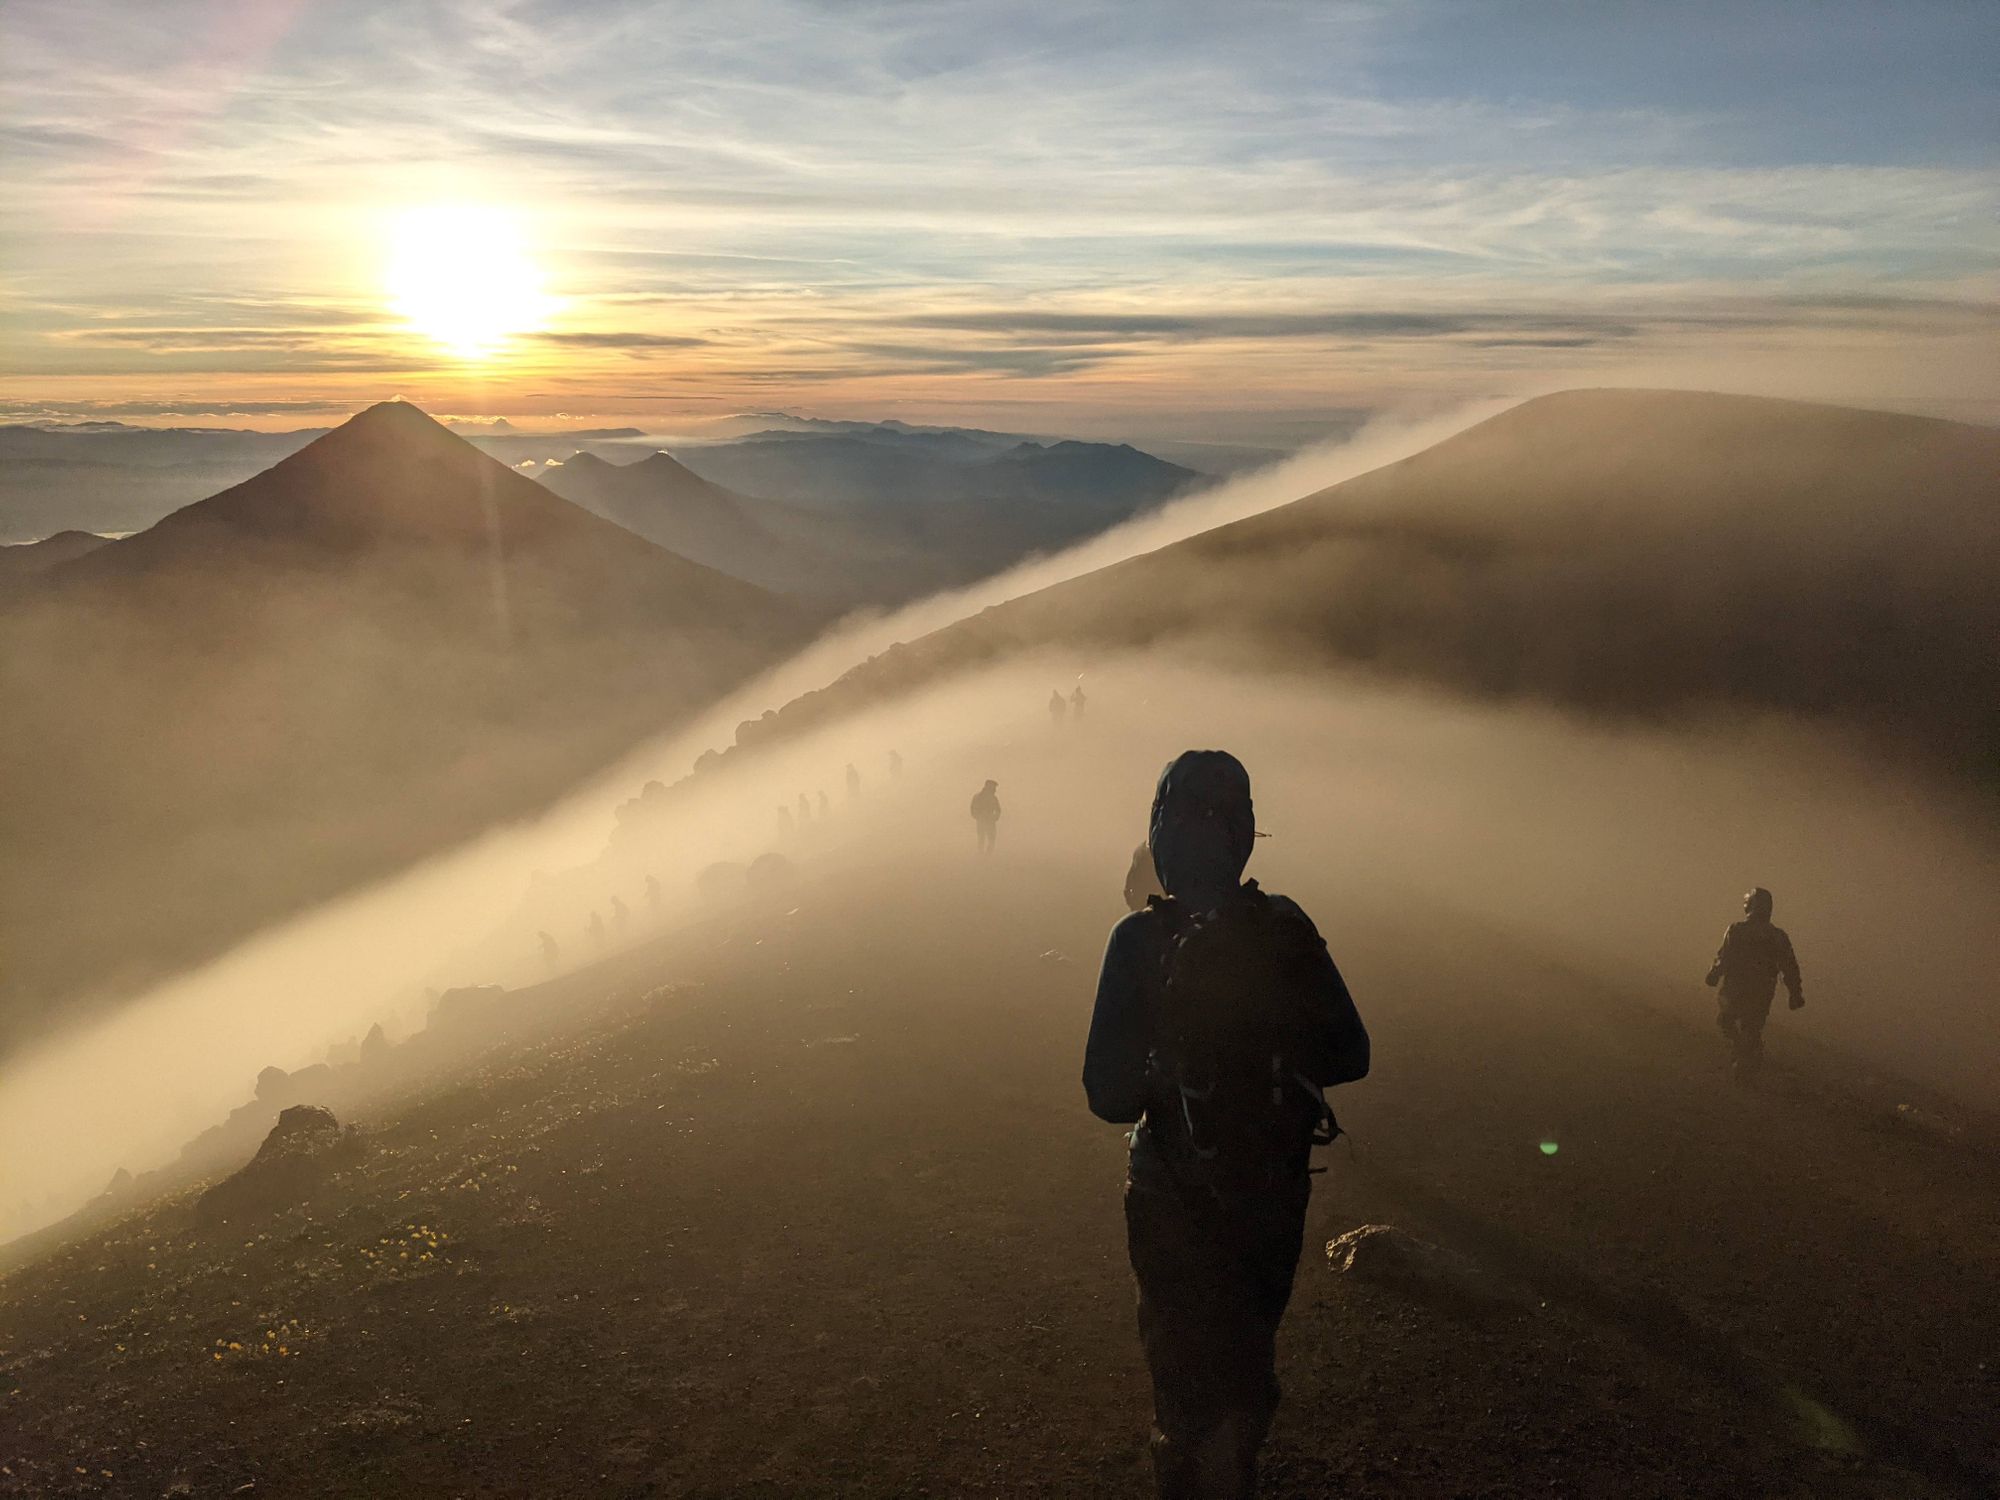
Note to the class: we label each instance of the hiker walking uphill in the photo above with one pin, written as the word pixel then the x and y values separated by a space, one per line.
pixel 1220 1020
pixel 986 815
pixel 1754 955
pixel 1058 707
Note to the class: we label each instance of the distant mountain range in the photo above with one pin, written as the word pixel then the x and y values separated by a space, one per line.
pixel 875 515
pixel 112 478
pixel 376 648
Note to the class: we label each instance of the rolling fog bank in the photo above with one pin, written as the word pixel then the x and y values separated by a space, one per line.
pixel 1401 815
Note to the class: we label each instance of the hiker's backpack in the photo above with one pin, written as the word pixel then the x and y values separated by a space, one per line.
pixel 1232 1104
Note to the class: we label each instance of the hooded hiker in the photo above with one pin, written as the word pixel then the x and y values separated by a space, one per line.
pixel 1754 955
pixel 1220 1020
pixel 986 815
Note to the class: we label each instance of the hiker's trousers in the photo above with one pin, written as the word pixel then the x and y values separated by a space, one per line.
pixel 1213 1280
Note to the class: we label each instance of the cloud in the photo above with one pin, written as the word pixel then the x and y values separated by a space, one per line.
pixel 621 340
pixel 1191 211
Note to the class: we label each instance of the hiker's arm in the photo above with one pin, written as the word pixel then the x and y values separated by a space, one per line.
pixel 1114 1059
pixel 1721 958
pixel 1339 1053
pixel 1788 968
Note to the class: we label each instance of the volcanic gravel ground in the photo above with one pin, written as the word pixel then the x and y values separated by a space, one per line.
pixel 806 1201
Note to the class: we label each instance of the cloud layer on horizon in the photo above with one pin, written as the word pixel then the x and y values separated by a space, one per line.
pixel 982 207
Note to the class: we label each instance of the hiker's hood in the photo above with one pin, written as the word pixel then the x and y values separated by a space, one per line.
pixel 1203 824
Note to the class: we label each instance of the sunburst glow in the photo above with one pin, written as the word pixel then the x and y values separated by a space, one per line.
pixel 463 276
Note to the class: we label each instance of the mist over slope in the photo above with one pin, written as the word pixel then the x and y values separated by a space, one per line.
pixel 1635 553
pixel 376 648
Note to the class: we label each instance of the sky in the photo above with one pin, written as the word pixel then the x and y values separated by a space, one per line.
pixel 1236 223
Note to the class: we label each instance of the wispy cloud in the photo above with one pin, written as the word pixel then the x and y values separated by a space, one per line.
pixel 901 202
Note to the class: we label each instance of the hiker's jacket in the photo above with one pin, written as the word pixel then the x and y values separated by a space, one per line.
pixel 1128 997
pixel 1202 829
pixel 1754 955
pixel 985 807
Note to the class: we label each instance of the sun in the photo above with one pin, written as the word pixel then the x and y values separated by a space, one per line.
pixel 462 275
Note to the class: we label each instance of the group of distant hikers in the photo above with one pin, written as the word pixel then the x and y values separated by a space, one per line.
pixel 1220 1021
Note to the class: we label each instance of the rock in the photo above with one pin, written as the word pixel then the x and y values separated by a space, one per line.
pixel 720 881
pixel 464 1006
pixel 769 873
pixel 1387 1256
pixel 304 1148
pixel 374 1046
pixel 277 1087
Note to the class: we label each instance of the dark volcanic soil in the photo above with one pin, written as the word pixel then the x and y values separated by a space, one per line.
pixel 813 1206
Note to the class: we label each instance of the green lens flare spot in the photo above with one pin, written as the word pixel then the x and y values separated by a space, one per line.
pixel 1549 1148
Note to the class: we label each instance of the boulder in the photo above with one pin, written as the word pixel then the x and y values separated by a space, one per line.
pixel 720 881
pixel 304 1148
pixel 769 873
pixel 467 1005
pixel 277 1087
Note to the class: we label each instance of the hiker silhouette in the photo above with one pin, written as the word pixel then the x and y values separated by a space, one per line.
pixel 1753 957
pixel 986 815
pixel 1220 1019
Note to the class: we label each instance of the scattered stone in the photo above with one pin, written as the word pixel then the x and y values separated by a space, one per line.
pixel 304 1148
pixel 1387 1256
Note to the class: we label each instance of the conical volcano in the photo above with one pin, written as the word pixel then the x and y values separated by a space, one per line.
pixel 374 648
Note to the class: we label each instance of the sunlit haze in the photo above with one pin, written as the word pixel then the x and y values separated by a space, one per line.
pixel 1226 226
pixel 1180 750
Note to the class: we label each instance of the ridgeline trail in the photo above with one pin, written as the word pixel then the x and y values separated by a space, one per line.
pixel 805 1200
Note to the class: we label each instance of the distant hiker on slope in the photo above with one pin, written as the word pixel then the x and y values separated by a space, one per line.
pixel 551 950
pixel 1754 955
pixel 1076 702
pixel 784 821
pixel 654 896
pixel 1220 1018
pixel 1058 707
pixel 986 815
pixel 895 765
pixel 596 928
pixel 805 810
pixel 621 914
pixel 1142 881
pixel 853 782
